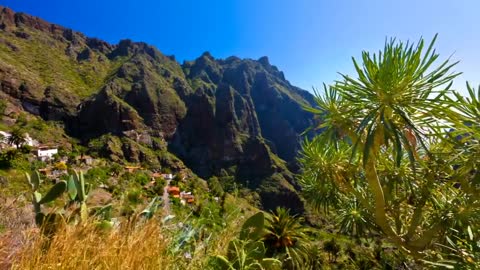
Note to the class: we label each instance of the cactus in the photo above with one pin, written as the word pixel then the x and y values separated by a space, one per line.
pixel 82 190
pixel 34 180
pixel 71 188
pixel 48 222
pixel 253 227
pixel 78 191
pixel 56 191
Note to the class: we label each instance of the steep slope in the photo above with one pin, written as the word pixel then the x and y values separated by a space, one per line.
pixel 254 97
pixel 50 68
pixel 238 117
pixel 143 93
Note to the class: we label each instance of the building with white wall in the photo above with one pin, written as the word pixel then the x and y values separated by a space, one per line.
pixel 46 153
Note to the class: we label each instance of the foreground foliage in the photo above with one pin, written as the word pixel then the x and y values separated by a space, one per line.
pixel 399 151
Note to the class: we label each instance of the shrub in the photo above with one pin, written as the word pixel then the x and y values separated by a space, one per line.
pixel 332 248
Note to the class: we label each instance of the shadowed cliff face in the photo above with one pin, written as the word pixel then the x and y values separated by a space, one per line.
pixel 235 101
pixel 234 115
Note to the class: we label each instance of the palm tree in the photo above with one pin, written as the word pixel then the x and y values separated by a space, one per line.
pixel 384 141
pixel 285 238
pixel 17 137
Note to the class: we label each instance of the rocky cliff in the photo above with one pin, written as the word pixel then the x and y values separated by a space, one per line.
pixel 235 116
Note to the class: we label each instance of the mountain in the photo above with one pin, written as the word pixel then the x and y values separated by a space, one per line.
pixel 219 117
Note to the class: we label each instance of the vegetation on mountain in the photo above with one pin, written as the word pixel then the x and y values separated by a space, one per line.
pixel 136 104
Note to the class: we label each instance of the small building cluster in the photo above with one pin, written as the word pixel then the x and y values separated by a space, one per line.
pixel 57 166
pixel 185 197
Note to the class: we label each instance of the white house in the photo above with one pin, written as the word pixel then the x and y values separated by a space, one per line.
pixel 167 176
pixel 46 153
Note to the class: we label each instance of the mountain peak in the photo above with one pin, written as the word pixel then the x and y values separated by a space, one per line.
pixel 264 61
pixel 208 55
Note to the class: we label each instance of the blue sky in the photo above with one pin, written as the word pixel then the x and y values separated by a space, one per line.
pixel 310 40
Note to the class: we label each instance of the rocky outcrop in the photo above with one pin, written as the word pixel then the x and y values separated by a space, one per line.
pixel 143 93
pixel 245 98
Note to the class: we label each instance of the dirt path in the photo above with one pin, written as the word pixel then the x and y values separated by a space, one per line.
pixel 166 199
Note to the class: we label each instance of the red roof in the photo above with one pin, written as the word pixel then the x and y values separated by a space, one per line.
pixel 175 190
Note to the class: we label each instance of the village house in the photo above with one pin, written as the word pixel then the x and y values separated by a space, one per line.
pixel 29 141
pixel 46 153
pixel 167 176
pixel 174 191
pixel 132 169
pixel 186 198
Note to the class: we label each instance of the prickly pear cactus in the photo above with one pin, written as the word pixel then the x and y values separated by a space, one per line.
pixel 253 227
pixel 48 222
pixel 78 191
pixel 55 192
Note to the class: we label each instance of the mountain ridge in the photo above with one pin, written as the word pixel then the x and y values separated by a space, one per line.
pixel 235 117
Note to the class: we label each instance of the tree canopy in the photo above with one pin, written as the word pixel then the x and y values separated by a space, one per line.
pixel 398 150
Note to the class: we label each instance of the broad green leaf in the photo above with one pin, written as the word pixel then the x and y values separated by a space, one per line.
pixel 253 227
pixel 56 191
pixel 71 188
pixel 38 196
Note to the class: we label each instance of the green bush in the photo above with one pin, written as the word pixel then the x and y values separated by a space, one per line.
pixel 215 186
pixel 97 175
pixel 142 178
pixel 332 248
pixel 134 196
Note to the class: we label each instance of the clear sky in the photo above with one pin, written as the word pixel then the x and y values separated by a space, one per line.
pixel 310 40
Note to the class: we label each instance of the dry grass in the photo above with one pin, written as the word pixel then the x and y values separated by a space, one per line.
pixel 84 247
pixel 144 247
pixel 147 245
pixel 15 228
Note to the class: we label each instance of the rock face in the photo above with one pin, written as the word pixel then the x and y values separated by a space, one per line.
pixel 144 92
pixel 239 116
